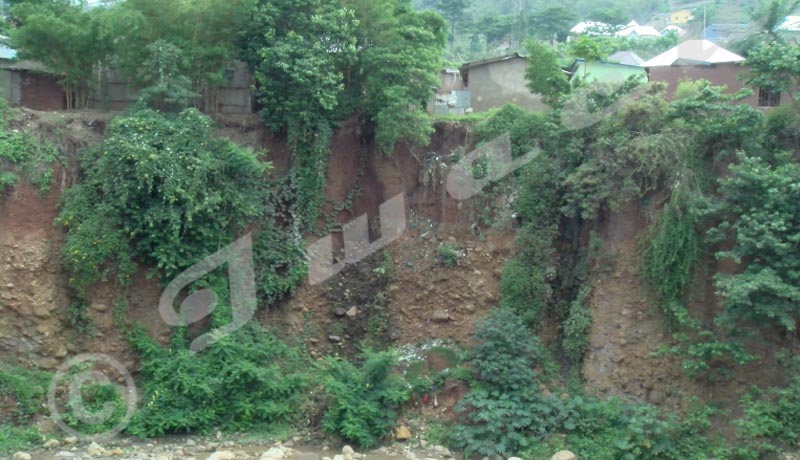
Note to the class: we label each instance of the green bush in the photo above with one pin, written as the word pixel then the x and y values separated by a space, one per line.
pixel 17 438
pixel 25 390
pixel 246 381
pixel 363 402
pixel 96 399
pixel 21 155
pixel 576 327
pixel 505 409
pixel 449 254
pixel 770 423
pixel 162 191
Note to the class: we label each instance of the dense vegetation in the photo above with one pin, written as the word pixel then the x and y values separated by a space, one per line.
pixel 162 191
pixel 23 157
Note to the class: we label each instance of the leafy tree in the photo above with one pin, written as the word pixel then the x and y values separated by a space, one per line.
pixel 494 28
pixel 317 62
pixel 544 75
pixel 586 48
pixel 296 51
pixel 205 32
pixel 613 16
pixel 774 65
pixel 760 210
pixel 455 11
pixel 396 65
pixel 552 23
pixel 67 39
pixel 167 89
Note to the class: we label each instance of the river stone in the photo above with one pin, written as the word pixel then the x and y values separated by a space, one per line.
pixel 222 455
pixel 274 453
pixel 22 456
pixel 51 444
pixel 96 450
pixel 402 433
pixel 563 455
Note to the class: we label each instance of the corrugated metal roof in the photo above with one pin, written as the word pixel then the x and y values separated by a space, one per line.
pixel 627 58
pixel 694 52
pixel 633 28
pixel 469 65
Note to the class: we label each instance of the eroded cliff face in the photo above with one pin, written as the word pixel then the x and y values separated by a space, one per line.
pixel 424 300
pixel 629 329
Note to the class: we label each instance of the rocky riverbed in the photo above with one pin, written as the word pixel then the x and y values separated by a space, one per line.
pixel 195 448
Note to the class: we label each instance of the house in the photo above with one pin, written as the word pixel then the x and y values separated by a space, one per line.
pixel 627 58
pixel 450 97
pixel 680 17
pixel 606 72
pixel 635 31
pixel 498 81
pixel 679 31
pixel 25 83
pixel 703 60
pixel 725 33
pixel 29 84
pixel 592 28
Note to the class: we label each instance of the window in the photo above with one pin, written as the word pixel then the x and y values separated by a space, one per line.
pixel 768 97
pixel 230 74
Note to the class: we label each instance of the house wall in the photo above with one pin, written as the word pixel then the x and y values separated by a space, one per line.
pixel 499 83
pixel 39 91
pixel 11 89
pixel 680 17
pixel 235 96
pixel 450 81
pixel 718 74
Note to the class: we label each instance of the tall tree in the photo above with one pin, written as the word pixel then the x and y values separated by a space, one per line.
pixel 397 63
pixel 543 75
pixel 68 39
pixel 552 23
pixel 774 65
pixel 454 11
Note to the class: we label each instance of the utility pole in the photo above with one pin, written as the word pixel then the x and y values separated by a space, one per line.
pixel 704 22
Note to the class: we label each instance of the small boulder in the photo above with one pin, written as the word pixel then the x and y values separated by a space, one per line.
pixel 563 455
pixel 274 453
pixel 402 433
pixel 440 316
pixel 514 458
pixel 51 444
pixel 63 455
pixel 95 450
pixel 22 456
pixel 70 440
pixel 222 455
pixel 348 450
